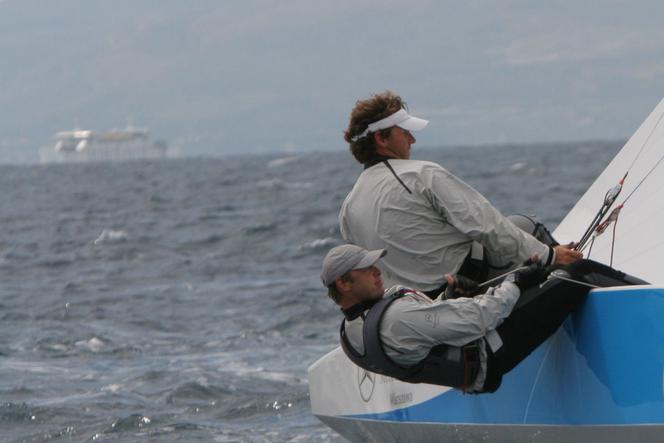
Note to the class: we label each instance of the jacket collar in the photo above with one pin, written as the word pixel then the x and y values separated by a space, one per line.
pixel 358 309
pixel 377 158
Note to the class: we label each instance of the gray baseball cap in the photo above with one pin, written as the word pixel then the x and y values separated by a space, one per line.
pixel 344 258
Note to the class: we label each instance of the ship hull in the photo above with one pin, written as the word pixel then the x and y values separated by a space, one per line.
pixel 103 152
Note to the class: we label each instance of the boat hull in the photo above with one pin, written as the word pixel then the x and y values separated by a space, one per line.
pixel 388 432
pixel 600 376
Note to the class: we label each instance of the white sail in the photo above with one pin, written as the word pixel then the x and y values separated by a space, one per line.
pixel 638 240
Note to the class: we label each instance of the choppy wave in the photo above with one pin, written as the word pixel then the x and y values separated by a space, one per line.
pixel 180 300
pixel 277 162
pixel 111 236
pixel 321 244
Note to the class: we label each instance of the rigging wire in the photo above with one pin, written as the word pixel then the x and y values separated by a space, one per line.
pixel 613 241
pixel 597 226
pixel 609 198
pixel 592 242
pixel 652 131
pixel 644 178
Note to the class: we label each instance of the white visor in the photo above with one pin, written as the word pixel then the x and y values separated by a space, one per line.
pixel 401 118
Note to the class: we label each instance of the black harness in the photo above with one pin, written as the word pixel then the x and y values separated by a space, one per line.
pixel 445 365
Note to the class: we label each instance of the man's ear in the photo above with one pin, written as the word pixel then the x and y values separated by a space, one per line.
pixel 379 140
pixel 342 285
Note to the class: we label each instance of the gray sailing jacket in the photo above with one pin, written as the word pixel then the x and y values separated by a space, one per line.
pixel 414 324
pixel 430 232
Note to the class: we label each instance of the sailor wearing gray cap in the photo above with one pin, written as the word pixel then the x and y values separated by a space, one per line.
pixel 338 265
pixel 346 258
pixel 462 338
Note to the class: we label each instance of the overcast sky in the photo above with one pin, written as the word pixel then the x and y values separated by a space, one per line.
pixel 218 77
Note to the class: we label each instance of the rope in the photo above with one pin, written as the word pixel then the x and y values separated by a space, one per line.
pixel 560 277
pixel 491 280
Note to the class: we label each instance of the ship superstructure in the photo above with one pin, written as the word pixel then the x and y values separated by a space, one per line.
pixel 82 145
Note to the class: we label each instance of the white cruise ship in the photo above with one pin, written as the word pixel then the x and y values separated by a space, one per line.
pixel 89 146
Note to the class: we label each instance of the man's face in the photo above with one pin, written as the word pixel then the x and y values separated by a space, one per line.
pixel 367 283
pixel 397 144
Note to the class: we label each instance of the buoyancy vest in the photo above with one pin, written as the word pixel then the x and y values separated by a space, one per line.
pixel 445 365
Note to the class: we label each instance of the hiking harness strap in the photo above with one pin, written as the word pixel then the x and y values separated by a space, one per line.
pixel 444 365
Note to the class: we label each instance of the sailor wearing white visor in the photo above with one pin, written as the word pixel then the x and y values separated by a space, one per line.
pixel 401 118
pixel 428 220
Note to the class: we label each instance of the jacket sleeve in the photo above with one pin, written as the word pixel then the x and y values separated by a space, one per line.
pixel 454 322
pixel 472 214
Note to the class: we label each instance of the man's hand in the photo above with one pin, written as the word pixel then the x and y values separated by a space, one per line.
pixel 460 286
pixel 566 255
pixel 532 275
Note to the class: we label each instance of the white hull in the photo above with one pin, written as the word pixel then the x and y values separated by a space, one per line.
pixel 103 152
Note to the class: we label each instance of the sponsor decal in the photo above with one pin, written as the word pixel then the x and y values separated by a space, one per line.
pixel 432 319
pixel 399 399
pixel 383 379
pixel 366 382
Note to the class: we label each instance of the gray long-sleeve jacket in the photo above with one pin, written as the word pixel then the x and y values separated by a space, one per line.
pixel 414 324
pixel 428 233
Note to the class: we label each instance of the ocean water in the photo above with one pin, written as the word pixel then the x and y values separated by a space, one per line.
pixel 179 300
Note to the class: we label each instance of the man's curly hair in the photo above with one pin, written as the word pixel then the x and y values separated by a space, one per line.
pixel 366 112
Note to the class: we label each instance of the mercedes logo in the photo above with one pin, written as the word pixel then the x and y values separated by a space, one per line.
pixel 366 381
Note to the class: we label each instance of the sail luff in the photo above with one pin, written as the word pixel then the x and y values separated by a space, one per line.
pixel 639 225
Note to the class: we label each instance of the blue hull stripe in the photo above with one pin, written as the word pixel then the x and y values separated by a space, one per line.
pixel 605 366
